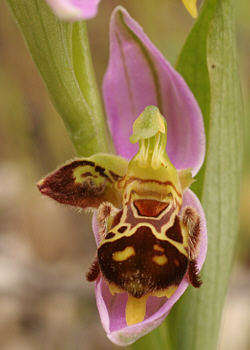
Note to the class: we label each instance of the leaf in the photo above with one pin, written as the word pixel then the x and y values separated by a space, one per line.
pixel 61 54
pixel 192 65
pixel 195 322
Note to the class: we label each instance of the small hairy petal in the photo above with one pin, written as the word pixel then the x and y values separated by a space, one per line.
pixel 85 182
pixel 138 75
pixel 191 199
pixel 74 10
pixel 112 307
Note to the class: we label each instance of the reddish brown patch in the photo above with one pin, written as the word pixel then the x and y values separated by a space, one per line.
pixel 149 207
pixel 174 232
pixel 117 219
pixel 115 176
pixel 110 235
pixel 122 229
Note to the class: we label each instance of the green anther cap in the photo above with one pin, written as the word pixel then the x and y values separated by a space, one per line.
pixel 148 124
pixel 151 162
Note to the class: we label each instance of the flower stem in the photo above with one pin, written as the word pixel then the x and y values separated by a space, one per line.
pixel 61 53
pixel 84 72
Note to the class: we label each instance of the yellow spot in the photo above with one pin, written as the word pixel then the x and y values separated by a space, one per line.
pixel 135 309
pixel 191 7
pixel 124 254
pixel 158 248
pixel 160 260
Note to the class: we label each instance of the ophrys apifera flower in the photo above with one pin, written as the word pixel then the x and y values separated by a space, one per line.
pixel 149 226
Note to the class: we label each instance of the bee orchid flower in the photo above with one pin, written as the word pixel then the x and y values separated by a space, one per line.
pixel 150 228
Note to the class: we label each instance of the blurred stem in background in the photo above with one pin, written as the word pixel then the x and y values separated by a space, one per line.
pixel 62 56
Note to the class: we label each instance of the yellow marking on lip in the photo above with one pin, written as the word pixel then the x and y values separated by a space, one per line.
pixel 158 248
pixel 160 260
pixel 136 309
pixel 124 254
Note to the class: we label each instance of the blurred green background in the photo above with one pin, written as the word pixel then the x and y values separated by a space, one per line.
pixel 46 249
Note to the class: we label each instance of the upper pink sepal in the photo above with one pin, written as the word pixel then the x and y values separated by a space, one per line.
pixel 138 75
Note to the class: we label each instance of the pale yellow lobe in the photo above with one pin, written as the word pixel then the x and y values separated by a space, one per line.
pixel 185 178
pixel 165 293
pixel 191 7
pixel 135 309
pixel 114 289
pixel 160 260
pixel 124 254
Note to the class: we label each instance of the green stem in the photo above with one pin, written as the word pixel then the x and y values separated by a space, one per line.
pixel 62 55
pixel 83 67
